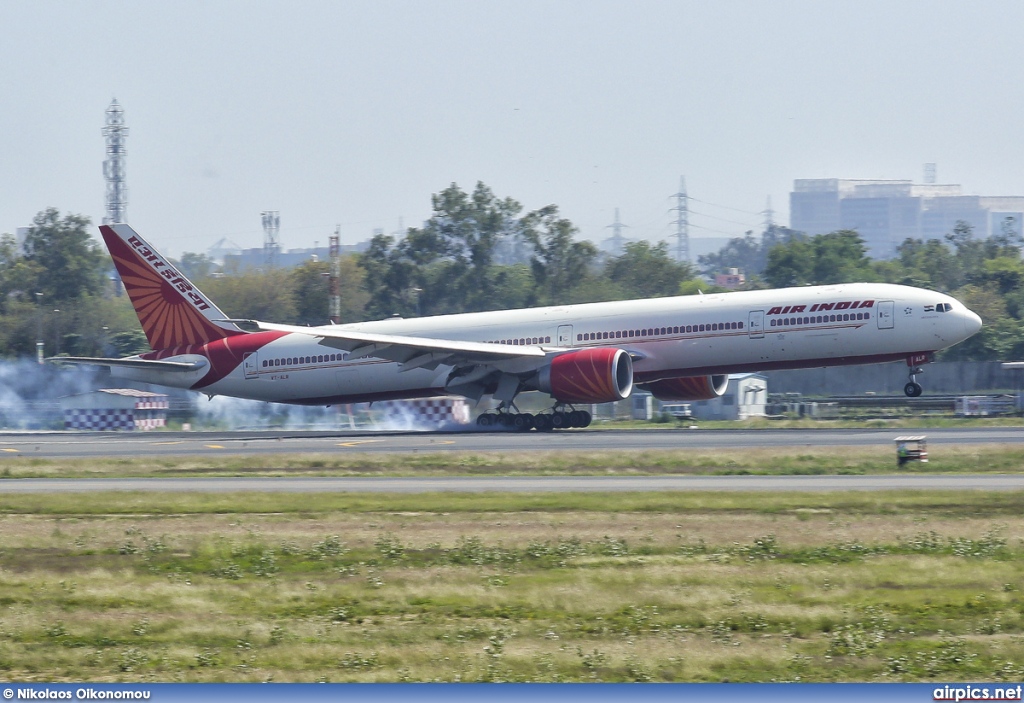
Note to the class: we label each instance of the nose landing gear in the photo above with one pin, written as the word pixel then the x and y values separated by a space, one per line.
pixel 914 361
pixel 913 388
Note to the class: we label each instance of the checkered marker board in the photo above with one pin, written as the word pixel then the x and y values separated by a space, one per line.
pixel 428 412
pixel 98 420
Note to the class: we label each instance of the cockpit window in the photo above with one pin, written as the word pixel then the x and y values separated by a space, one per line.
pixel 943 307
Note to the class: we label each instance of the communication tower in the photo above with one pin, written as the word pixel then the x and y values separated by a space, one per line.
pixel 682 222
pixel 334 288
pixel 930 174
pixel 271 243
pixel 113 168
pixel 769 216
pixel 616 240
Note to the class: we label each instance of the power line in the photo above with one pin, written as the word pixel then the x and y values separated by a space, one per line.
pixel 725 207
pixel 723 219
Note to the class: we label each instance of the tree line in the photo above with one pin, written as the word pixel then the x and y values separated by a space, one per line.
pixel 479 252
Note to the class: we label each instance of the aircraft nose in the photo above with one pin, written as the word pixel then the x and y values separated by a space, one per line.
pixel 972 323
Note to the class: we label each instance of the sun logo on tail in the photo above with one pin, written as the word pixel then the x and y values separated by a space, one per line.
pixel 172 311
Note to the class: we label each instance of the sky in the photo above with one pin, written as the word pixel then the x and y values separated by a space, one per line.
pixel 355 113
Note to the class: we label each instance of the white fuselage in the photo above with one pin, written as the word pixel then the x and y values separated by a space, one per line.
pixel 667 337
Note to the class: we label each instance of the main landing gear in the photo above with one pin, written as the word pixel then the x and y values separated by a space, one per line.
pixel 561 417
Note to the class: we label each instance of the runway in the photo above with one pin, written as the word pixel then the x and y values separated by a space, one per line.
pixel 84 445
pixel 538 484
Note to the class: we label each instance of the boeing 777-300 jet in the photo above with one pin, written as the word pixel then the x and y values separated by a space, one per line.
pixel 679 348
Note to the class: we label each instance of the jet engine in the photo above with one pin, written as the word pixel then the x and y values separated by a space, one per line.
pixel 588 376
pixel 688 387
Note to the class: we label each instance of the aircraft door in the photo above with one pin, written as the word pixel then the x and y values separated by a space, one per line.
pixel 565 335
pixel 884 314
pixel 755 325
pixel 250 364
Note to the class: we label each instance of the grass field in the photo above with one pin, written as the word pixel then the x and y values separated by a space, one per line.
pixel 945 458
pixel 495 587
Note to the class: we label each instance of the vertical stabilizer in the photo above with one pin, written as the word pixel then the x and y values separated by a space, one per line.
pixel 173 312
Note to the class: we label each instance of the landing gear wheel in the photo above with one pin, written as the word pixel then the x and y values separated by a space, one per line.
pixel 543 423
pixel 913 390
pixel 585 420
pixel 522 421
pixel 576 419
pixel 485 420
pixel 560 421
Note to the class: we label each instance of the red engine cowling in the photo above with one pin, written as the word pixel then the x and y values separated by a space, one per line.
pixel 588 376
pixel 688 387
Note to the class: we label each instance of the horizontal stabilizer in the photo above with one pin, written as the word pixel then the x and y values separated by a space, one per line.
pixel 182 366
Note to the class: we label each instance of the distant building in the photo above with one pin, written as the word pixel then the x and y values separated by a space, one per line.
pixel 885 213
pixel 732 280
pixel 250 259
pixel 224 247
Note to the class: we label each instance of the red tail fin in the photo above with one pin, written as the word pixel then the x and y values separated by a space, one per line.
pixel 172 311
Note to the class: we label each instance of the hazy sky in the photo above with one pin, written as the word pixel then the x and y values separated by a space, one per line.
pixel 354 113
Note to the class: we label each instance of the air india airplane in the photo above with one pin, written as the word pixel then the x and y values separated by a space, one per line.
pixel 680 348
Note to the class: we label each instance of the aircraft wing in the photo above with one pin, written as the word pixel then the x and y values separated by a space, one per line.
pixel 411 352
pixel 149 365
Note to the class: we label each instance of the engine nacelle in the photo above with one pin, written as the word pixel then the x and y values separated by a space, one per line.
pixel 688 387
pixel 588 376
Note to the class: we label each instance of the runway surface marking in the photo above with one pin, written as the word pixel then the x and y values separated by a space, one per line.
pixel 357 442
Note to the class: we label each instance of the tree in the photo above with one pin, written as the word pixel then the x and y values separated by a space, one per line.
pixel 311 284
pixel 195 266
pixel 256 295
pixel 70 262
pixel 391 276
pixel 747 253
pixel 789 264
pixel 451 264
pixel 646 271
pixel 838 257
pixel 559 262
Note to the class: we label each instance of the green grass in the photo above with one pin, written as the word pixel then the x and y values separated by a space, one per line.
pixel 945 458
pixel 892 586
